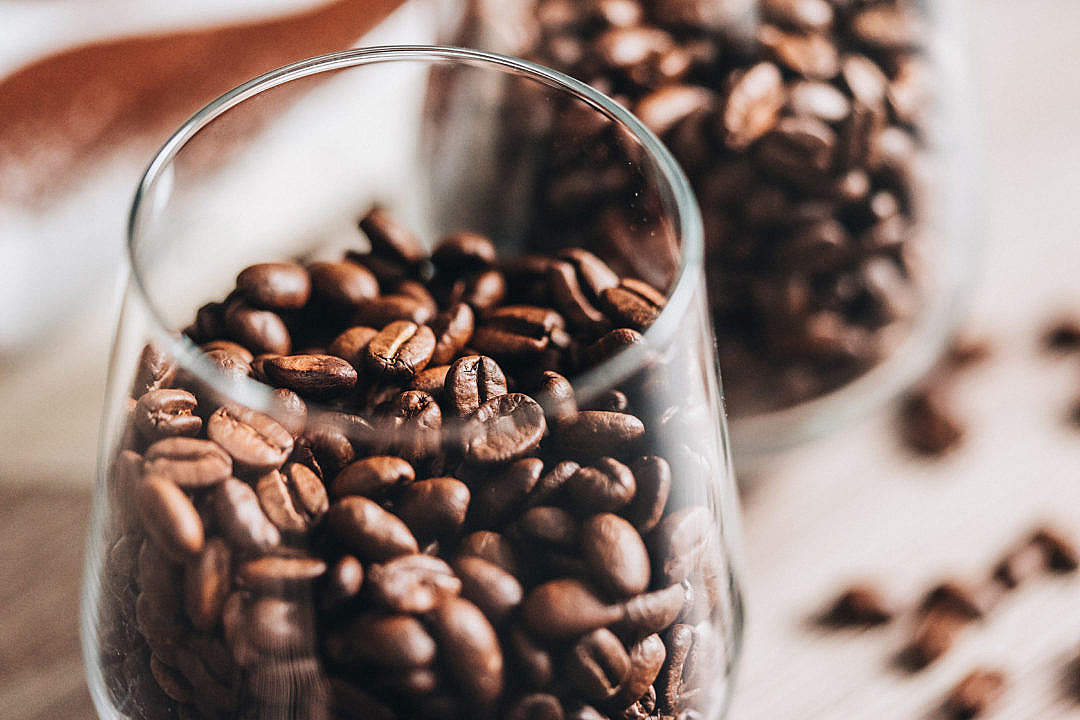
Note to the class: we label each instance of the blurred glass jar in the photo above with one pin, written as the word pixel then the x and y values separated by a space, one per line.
pixel 829 143
pixel 367 541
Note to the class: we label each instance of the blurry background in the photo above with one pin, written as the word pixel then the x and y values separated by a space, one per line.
pixel 77 127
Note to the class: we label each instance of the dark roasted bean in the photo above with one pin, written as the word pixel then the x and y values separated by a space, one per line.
pixel 606 486
pixel 534 660
pixel 256 442
pixel 391 240
pixel 410 425
pixel 294 498
pixel 1061 553
pixel 411 584
pixel 189 462
pixel 566 608
pixel 275 286
pixel 556 396
pixel 373 476
pixel 933 637
pixel 489 587
pixel 166 413
pixel 953 598
pixel 453 329
pixel 653 477
pixel 490 546
pixel 594 432
pixel 463 252
pixel 401 349
pixel 518 331
pixel 343 283
pixel 391 641
pixel 260 331
pixel 551 526
pixel 680 542
pixel 280 627
pixel 502 494
pixel 431 380
pixel 469 643
pixel 343 581
pixel 169 517
pixel 677 642
pixel 206 584
pixel 278 574
pixel 386 309
pixel 646 658
pixel 539 706
pixel 435 507
pixel 977 693
pixel 753 105
pixel 632 304
pixel 351 345
pixel 504 428
pixel 597 665
pixel 471 381
pixel 652 612
pixel 236 507
pixel 616 555
pixel 155 371
pixel 311 375
pixel 859 605
pixel 288 409
pixel 368 530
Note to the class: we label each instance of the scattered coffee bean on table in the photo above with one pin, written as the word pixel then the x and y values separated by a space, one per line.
pixel 862 604
pixel 424 524
pixel 975 694
pixel 803 145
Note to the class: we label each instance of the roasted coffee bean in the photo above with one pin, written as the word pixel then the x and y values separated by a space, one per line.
pixel 953 598
pixel 753 105
pixel 288 409
pixel 535 661
pixel 859 605
pixel 677 642
pixel 236 507
pixel 155 371
pixel 260 331
pixel 518 331
pixel 166 413
pixel 272 573
pixel 653 477
pixel 275 286
pixel 977 693
pixel 293 498
pixel 498 498
pixel 351 345
pixel 169 517
pixel 490 546
pixel 435 507
pixel 805 15
pixel 431 380
pixel 606 486
pixel 453 329
pixel 632 304
pixel 472 381
pixel 368 530
pixel 328 442
pixel 373 476
pixel 1020 564
pixel 577 279
pixel 312 375
pixel 463 252
pixel 489 587
pixel 646 658
pixel 594 432
pixel 343 283
pixel 1061 553
pixel 666 107
pixel 401 349
pixel 504 428
pixel 391 240
pixel 343 582
pixel 551 526
pixel 386 309
pixel 556 396
pixel 410 425
pixel 933 637
pixel 610 344
pixel 652 612
pixel 566 608
pixel 412 584
pixel 1063 335
pixel 680 542
pixel 256 442
pixel 207 580
pixel 467 639
pixel 616 555
pixel 280 627
pixel 538 706
pixel 189 462
pixel 597 665
pixel 551 483
pixel 389 641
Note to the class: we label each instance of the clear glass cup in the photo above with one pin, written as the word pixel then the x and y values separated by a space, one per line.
pixel 830 145
pixel 249 576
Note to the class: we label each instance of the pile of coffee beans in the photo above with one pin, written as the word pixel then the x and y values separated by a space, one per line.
pixel 427 522
pixel 803 147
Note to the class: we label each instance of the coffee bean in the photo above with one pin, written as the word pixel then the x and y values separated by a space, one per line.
pixel 288 409
pixel 594 432
pixel 294 498
pixel 531 658
pixel 666 107
pixel 412 584
pixel 280 627
pixel 500 496
pixel 859 605
pixel 240 518
pixel 472 381
pixel 538 706
pixel 975 694
pixel 351 345
pixel 632 303
pixel 276 574
pixel 653 477
pixel 373 476
pixel 343 283
pixel 390 641
pixel 169 517
pixel 550 526
pixel 260 331
pixel 518 331
pixel 646 658
pixel 463 252
pixel 496 592
pixel 312 375
pixel 606 486
pixel 575 286
pixel 275 286
pixel 1020 564
pixel 805 15
pixel 597 665
pixel 188 462
pixel 556 396
pixel 566 608
pixel 1061 553
pixel 677 642
pixel 616 555
pixel 401 349
pixel 435 507
pixel 610 344
pixel 410 425
pixel 256 442
pixel 155 371
pixel 391 240
pixel 680 542
pixel 468 641
pixel 504 428
pixel 207 583
pixel 933 637
pixel 343 582
pixel 809 55
pixel 753 105
pixel 431 380
pixel 652 612
pixel 453 329
pixel 954 598
pixel 386 309
pixel 368 530
pixel 166 413
pixel 1062 335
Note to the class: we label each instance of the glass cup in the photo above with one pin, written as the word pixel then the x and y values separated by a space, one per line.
pixel 312 505
pixel 830 147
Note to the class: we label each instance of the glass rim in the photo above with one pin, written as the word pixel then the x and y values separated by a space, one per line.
pixel 688 275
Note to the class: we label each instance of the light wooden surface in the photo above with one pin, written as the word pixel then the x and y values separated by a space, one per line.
pixel 851 506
